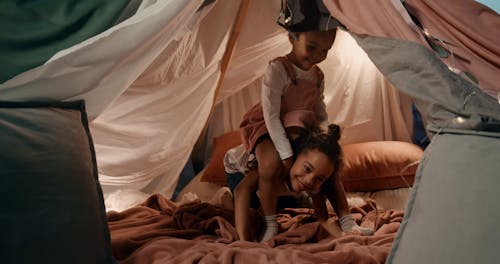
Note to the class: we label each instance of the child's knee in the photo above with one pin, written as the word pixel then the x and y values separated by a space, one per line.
pixel 268 159
pixel 268 168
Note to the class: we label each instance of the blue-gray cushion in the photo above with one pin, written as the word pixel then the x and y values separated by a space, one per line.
pixel 52 204
pixel 452 214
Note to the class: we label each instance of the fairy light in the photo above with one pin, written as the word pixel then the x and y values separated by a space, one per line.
pixel 459 120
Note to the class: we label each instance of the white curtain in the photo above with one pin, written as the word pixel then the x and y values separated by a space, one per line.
pixel 145 137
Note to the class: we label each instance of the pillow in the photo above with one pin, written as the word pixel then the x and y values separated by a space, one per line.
pixel 214 171
pixel 52 203
pixel 379 165
pixel 369 166
pixel 454 204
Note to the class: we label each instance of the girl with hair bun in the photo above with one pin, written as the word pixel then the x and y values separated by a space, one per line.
pixel 291 105
pixel 315 171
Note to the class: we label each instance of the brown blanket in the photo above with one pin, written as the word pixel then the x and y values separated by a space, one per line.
pixel 159 231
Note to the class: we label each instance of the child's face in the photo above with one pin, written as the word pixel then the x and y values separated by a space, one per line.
pixel 311 48
pixel 311 169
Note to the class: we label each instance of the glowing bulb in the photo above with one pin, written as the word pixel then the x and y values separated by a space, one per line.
pixel 459 120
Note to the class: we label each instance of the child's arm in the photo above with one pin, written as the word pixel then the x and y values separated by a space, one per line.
pixel 334 191
pixel 242 194
pixel 322 214
pixel 273 86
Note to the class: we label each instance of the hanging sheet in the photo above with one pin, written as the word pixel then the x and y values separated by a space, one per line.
pixel 470 30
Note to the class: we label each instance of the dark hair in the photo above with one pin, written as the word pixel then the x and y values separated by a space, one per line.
pixel 306 15
pixel 327 143
pixel 295 34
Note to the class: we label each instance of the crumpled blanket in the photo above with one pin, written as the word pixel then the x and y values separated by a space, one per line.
pixel 160 231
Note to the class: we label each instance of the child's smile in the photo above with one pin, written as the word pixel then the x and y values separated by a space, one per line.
pixel 311 48
pixel 310 170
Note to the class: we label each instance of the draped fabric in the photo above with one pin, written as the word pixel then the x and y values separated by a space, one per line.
pixel 464 119
pixel 150 81
pixel 99 69
pixel 32 31
pixel 145 137
pixel 470 31
pixel 467 30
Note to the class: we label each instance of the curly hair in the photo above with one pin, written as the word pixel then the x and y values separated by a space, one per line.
pixel 327 143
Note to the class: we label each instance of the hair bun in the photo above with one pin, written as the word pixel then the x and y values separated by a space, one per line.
pixel 334 132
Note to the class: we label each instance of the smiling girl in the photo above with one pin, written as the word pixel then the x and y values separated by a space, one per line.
pixel 291 103
pixel 315 171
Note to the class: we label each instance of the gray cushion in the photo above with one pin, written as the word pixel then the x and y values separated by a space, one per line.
pixel 453 213
pixel 52 203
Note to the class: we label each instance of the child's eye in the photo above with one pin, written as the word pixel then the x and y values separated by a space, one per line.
pixel 307 169
pixel 311 48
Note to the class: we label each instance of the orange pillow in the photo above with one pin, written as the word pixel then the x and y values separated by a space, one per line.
pixel 215 172
pixel 369 166
pixel 379 165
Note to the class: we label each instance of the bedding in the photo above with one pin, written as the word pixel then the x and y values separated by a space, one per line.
pixel 162 231
pixel 198 227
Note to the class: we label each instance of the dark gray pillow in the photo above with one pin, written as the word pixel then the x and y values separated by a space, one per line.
pixel 52 204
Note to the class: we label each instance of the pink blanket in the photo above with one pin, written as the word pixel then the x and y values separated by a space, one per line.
pixel 159 231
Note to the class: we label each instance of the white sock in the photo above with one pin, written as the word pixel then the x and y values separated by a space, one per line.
pixel 348 225
pixel 270 228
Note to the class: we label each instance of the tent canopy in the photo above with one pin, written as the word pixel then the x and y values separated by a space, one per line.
pixel 164 69
pixel 162 73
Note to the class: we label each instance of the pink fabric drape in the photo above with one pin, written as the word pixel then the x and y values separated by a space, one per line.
pixel 472 29
pixel 375 18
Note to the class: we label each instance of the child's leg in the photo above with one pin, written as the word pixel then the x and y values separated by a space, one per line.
pixel 242 194
pixel 269 163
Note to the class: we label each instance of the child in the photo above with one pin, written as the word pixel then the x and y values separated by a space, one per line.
pixel 292 102
pixel 315 170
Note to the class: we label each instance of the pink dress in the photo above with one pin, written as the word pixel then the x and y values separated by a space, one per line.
pixel 298 108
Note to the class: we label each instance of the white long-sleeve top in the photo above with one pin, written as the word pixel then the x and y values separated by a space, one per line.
pixel 274 85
